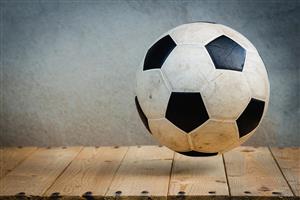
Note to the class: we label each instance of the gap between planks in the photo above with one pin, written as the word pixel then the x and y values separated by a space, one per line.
pixel 288 161
pixel 63 171
pixel 171 171
pixel 11 157
pixel 223 159
pixel 281 171
pixel 116 171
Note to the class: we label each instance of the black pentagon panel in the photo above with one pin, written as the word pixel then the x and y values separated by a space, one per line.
pixel 197 154
pixel 141 114
pixel 158 53
pixel 251 117
pixel 186 110
pixel 226 54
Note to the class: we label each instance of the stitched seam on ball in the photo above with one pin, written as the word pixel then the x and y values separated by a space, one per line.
pixel 190 141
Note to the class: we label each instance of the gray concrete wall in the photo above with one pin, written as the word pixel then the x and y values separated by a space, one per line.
pixel 68 68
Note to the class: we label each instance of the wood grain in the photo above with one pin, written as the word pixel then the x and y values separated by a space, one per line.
pixel 198 178
pixel 91 171
pixel 10 157
pixel 289 163
pixel 36 174
pixel 144 171
pixel 253 172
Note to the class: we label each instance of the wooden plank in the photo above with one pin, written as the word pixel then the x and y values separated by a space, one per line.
pixel 198 178
pixel 252 172
pixel 91 171
pixel 36 174
pixel 144 172
pixel 288 160
pixel 10 157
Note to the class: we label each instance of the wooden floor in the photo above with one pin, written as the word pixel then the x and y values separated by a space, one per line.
pixel 148 172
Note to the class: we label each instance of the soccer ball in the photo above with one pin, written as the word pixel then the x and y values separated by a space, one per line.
pixel 202 89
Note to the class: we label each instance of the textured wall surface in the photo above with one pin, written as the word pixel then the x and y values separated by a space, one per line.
pixel 68 68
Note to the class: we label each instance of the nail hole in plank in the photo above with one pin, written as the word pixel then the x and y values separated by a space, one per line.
pixel 276 193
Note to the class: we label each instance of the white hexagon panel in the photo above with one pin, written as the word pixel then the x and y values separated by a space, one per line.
pixel 188 62
pixel 203 89
pixel 226 95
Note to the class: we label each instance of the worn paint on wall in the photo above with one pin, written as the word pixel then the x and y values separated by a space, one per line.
pixel 68 68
